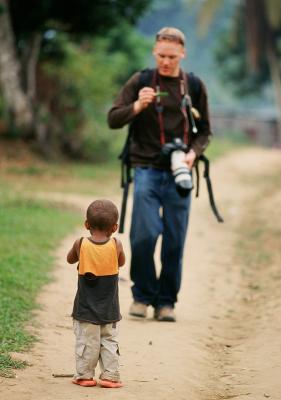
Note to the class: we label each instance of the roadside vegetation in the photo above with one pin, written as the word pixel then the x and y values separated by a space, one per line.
pixel 220 146
pixel 29 233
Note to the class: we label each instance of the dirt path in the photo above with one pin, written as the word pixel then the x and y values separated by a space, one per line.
pixel 224 344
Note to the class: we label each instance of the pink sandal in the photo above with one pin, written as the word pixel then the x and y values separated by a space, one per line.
pixel 110 384
pixel 85 382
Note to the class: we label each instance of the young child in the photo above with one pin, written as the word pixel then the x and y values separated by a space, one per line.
pixel 96 305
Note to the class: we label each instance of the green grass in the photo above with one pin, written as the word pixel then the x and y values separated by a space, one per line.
pixel 8 365
pixel 221 146
pixel 79 177
pixel 29 233
pixel 79 170
pixel 88 178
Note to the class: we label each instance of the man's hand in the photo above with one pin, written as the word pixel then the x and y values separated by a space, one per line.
pixel 146 96
pixel 190 158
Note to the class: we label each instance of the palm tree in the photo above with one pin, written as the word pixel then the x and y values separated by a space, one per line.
pixel 261 23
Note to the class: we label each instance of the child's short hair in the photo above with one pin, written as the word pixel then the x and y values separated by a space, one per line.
pixel 102 214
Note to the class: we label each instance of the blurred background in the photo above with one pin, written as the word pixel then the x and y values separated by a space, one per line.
pixel 62 63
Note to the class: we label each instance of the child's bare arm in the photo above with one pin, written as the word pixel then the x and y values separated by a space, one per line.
pixel 120 253
pixel 73 254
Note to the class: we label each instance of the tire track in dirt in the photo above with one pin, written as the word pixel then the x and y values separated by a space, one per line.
pixel 214 350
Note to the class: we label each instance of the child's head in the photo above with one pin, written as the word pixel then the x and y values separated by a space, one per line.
pixel 102 215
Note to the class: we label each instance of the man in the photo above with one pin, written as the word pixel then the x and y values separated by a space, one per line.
pixel 158 114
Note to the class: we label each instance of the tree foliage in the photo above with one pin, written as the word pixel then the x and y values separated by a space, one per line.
pixel 61 57
pixel 231 57
pixel 76 16
pixel 85 81
pixel 243 50
pixel 260 22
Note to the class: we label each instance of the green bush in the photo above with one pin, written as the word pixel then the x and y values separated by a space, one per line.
pixel 87 79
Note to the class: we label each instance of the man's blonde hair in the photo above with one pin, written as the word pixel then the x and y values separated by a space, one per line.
pixel 171 34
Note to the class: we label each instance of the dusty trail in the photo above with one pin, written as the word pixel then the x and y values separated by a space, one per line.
pixel 218 349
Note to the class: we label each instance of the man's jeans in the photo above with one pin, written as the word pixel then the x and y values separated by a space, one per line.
pixel 158 209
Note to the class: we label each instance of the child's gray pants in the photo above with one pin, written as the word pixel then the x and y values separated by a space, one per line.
pixel 96 343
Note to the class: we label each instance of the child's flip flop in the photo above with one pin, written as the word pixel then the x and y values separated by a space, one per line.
pixel 85 382
pixel 110 384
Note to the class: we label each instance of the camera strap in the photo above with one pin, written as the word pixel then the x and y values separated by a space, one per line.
pixel 187 103
pixel 157 84
pixel 186 109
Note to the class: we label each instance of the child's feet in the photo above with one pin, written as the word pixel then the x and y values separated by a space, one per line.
pixel 110 384
pixel 85 382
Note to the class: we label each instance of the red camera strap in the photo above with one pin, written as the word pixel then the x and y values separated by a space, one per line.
pixel 158 86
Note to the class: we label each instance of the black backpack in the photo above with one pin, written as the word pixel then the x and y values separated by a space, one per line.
pixel 194 86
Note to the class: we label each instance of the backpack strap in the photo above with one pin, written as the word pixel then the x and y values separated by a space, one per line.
pixel 146 77
pixel 209 187
pixel 187 103
pixel 193 89
pixel 126 176
pixel 193 86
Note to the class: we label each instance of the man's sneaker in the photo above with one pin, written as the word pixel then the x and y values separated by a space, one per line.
pixel 165 314
pixel 138 309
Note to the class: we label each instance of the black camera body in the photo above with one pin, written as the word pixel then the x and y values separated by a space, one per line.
pixel 174 153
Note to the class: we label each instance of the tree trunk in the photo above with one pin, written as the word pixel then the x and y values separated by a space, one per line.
pixel 29 65
pixel 276 82
pixel 261 42
pixel 16 100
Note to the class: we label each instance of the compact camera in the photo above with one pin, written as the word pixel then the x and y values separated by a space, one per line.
pixel 175 152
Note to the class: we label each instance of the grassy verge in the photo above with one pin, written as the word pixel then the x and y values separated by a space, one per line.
pixel 66 177
pixel 29 232
pixel 221 146
pixel 85 178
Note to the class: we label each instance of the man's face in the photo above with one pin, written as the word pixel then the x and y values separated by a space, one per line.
pixel 168 56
